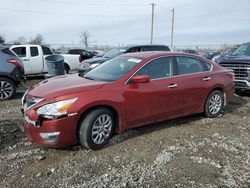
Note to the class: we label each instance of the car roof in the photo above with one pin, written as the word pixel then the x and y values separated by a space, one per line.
pixel 144 55
pixel 3 46
pixel 140 45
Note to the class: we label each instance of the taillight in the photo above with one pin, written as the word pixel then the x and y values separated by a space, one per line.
pixel 15 62
pixel 231 74
pixel 81 58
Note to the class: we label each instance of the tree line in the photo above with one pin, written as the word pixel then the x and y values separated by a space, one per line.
pixel 39 39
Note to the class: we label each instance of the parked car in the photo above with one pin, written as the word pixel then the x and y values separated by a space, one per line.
pixel 33 58
pixel 189 51
pixel 127 91
pixel 229 51
pixel 97 53
pixel 239 63
pixel 11 73
pixel 87 65
pixel 210 55
pixel 74 57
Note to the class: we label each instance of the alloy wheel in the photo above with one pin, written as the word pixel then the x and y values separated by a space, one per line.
pixel 101 129
pixel 6 90
pixel 215 104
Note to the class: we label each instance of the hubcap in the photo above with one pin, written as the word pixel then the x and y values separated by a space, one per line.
pixel 101 129
pixel 215 103
pixel 5 89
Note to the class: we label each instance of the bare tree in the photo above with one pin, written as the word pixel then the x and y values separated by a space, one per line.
pixel 37 40
pixel 2 40
pixel 85 38
pixel 21 39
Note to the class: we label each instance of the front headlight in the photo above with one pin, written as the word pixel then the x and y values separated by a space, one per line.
pixel 94 65
pixel 55 110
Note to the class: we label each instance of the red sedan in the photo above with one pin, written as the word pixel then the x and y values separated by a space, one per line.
pixel 128 91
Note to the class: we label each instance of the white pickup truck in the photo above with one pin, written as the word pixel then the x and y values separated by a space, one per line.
pixel 33 58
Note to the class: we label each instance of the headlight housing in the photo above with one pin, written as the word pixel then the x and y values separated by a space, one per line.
pixel 55 110
pixel 94 65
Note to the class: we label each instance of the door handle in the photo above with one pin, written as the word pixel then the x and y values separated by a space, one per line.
pixel 207 78
pixel 172 86
pixel 25 59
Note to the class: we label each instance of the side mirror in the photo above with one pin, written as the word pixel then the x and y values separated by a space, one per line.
pixel 140 79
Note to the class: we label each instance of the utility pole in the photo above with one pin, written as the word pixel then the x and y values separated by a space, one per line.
pixel 172 30
pixel 152 22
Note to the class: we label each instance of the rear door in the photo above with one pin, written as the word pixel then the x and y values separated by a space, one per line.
pixel 36 59
pixel 193 77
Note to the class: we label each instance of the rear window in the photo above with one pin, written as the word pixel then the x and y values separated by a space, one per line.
pixel 46 50
pixel 75 52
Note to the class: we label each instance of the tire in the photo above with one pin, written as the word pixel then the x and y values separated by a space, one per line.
pixel 7 88
pixel 66 69
pixel 214 104
pixel 96 128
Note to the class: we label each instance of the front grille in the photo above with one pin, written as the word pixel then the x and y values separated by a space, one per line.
pixel 239 84
pixel 240 70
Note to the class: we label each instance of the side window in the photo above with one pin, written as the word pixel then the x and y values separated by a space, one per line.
pixel 188 65
pixel 20 51
pixel 134 49
pixel 155 48
pixel 158 68
pixel 146 48
pixel 75 52
pixel 33 51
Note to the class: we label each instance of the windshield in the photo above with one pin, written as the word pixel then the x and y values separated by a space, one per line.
pixel 230 51
pixel 113 69
pixel 114 52
pixel 243 50
pixel 207 55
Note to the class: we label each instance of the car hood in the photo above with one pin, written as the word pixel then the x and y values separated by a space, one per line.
pixel 234 59
pixel 96 60
pixel 63 85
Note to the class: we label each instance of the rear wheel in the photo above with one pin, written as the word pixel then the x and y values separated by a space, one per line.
pixel 66 69
pixel 214 104
pixel 7 88
pixel 96 128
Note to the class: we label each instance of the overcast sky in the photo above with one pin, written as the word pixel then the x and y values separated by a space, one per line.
pixel 119 22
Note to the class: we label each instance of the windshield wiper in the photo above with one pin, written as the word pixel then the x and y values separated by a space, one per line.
pixel 89 78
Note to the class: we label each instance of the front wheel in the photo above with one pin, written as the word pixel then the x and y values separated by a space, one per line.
pixel 214 104
pixel 96 128
pixel 7 88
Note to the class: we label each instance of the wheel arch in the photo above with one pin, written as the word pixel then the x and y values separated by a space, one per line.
pixel 92 108
pixel 9 77
pixel 219 88
pixel 66 64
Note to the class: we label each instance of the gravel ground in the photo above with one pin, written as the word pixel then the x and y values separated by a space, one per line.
pixel 187 152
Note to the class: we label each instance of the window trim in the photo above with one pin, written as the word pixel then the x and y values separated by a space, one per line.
pixel 150 62
pixel 37 51
pixel 174 62
pixel 26 54
pixel 211 68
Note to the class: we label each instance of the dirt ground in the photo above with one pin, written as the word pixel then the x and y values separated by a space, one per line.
pixel 187 152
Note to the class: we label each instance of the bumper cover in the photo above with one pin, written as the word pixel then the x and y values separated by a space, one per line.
pixel 242 84
pixel 56 133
